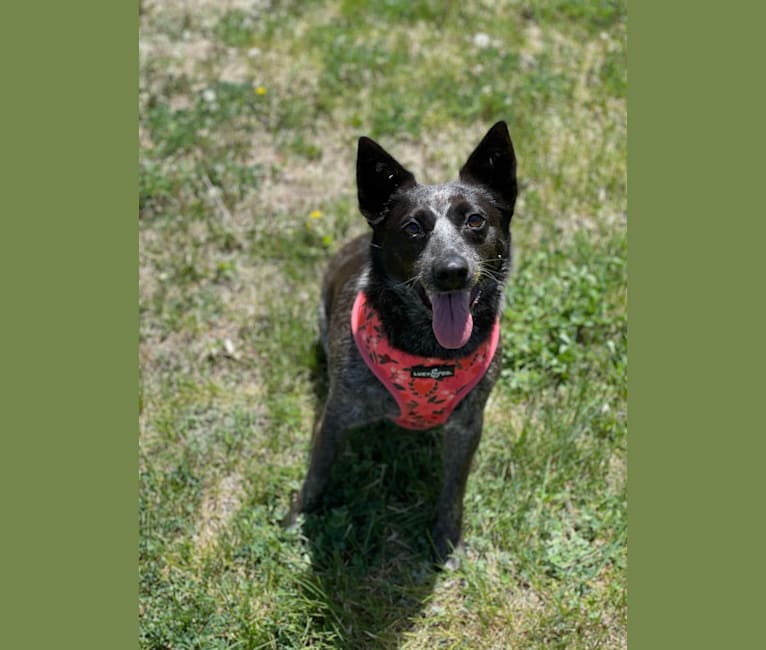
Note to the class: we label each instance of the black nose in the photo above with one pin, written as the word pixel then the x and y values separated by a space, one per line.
pixel 450 274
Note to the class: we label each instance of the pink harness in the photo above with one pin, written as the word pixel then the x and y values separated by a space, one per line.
pixel 427 389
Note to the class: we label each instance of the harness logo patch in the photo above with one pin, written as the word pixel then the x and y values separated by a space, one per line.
pixel 432 372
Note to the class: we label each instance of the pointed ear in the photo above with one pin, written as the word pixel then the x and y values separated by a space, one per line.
pixel 493 165
pixel 378 177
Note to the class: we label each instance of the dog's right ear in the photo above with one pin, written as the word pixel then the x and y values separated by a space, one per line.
pixel 378 177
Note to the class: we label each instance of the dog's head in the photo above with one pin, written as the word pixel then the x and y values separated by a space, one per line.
pixel 442 247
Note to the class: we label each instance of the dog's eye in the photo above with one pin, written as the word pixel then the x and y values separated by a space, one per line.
pixel 475 221
pixel 413 228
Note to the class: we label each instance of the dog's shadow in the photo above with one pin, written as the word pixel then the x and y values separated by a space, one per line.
pixel 371 553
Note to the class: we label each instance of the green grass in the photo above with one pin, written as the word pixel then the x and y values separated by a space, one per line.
pixel 249 116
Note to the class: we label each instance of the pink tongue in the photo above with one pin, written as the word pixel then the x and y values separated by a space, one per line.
pixel 452 320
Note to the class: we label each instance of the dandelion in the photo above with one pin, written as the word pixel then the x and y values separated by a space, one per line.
pixel 481 40
pixel 260 90
pixel 315 214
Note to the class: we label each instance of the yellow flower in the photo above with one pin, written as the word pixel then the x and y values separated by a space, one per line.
pixel 260 90
pixel 315 214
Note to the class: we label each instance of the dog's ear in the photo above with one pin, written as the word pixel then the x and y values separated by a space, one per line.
pixel 493 165
pixel 378 177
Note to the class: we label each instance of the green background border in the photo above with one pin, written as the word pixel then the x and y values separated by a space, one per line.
pixel 695 278
pixel 68 263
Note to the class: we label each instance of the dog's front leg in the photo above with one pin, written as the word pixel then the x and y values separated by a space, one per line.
pixel 327 439
pixel 329 434
pixel 462 433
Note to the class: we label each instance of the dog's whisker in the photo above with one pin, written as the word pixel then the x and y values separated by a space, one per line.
pixel 410 282
pixel 496 276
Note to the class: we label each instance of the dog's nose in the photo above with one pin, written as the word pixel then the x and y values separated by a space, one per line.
pixel 450 274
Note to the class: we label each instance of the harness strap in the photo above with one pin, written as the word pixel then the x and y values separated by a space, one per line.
pixel 427 389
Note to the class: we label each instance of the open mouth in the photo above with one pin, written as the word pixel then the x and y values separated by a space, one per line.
pixel 451 316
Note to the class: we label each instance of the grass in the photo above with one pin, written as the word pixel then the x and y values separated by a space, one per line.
pixel 249 114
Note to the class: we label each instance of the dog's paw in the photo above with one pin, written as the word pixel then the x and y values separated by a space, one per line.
pixel 452 563
pixel 293 517
pixel 449 560
pixel 447 552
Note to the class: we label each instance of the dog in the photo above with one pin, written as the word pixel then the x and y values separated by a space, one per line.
pixel 409 315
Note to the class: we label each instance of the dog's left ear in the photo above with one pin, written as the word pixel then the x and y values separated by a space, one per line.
pixel 493 165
